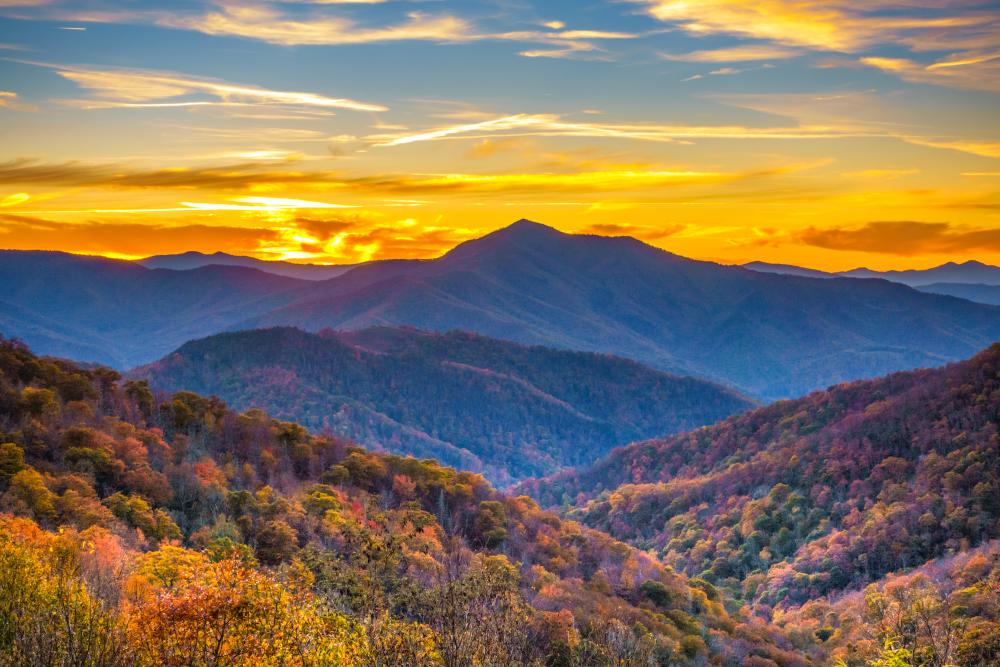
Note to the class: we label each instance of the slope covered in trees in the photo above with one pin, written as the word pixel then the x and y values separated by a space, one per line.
pixel 137 529
pixel 946 612
pixel 477 403
pixel 806 498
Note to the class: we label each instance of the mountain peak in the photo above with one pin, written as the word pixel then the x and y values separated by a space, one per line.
pixel 521 235
pixel 525 226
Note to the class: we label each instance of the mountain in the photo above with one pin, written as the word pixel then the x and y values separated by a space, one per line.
pixel 788 270
pixel 145 530
pixel 970 272
pixel 811 497
pixel 771 336
pixel 120 313
pixel 186 261
pixel 952 272
pixel 989 294
pixel 477 403
pixel 945 612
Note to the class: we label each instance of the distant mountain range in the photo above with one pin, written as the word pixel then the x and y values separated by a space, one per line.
pixel 196 260
pixel 121 313
pixel 806 498
pixel 490 406
pixel 966 280
pixel 769 335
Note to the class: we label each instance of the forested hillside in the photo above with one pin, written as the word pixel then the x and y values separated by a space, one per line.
pixel 946 612
pixel 175 531
pixel 807 498
pixel 486 405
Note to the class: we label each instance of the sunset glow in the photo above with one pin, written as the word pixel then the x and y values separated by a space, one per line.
pixel 825 134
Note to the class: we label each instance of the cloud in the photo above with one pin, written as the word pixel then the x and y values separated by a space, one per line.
pixel 135 87
pixel 973 147
pixel 854 114
pixel 553 125
pixel 591 181
pixel 565 43
pixel 10 100
pixel 14 199
pixel 344 238
pixel 125 239
pixel 905 237
pixel 972 71
pixel 880 174
pixel 965 29
pixel 77 174
pixel 834 25
pixel 574 172
pixel 643 232
pixel 735 54
pixel 269 25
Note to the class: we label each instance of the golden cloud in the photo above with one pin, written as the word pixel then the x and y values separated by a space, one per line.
pixel 10 100
pixel 240 177
pixel 266 24
pixel 967 30
pixel 343 239
pixel 973 71
pixel 829 25
pixel 136 88
pixel 905 237
pixel 125 239
pixel 746 53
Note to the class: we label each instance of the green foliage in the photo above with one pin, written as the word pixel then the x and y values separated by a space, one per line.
pixel 11 463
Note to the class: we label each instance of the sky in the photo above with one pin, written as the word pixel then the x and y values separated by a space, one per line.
pixel 829 134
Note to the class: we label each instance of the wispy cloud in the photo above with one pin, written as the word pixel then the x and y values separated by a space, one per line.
pixel 857 113
pixel 250 177
pixel 880 174
pixel 972 71
pixel 131 87
pixel 270 25
pixel 905 237
pixel 973 147
pixel 836 25
pixel 10 100
pixel 563 43
pixel 553 125
pixel 967 30
pixel 746 53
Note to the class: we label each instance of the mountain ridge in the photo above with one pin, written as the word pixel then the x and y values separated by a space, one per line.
pixel 807 498
pixel 770 336
pixel 487 405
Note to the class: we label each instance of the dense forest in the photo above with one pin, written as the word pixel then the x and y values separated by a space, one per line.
pixel 946 612
pixel 145 529
pixel 804 499
pixel 491 406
